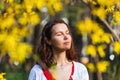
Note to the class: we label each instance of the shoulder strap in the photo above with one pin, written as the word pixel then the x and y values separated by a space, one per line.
pixel 48 75
pixel 72 71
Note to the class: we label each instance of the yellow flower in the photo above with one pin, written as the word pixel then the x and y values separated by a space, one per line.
pixel 110 9
pixel 9 10
pixel 99 36
pixel 29 4
pixel 101 51
pixel 18 8
pixel 100 12
pixel 106 3
pixel 87 26
pixel 91 50
pixel 116 46
pixel 9 1
pixel 92 2
pixel 80 27
pixel 23 32
pixel 106 37
pixel 91 67
pixel 116 16
pixel 7 22
pixel 34 18
pixel 54 6
pixel 1 76
pixel 31 18
pixel 22 52
pixel 20 32
pixel 102 66
pixel 40 3
pixel 2 37
pixel 96 36
pixel 57 7
pixel 24 19
pixel 10 43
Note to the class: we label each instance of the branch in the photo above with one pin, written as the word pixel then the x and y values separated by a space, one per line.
pixel 110 28
pixel 105 22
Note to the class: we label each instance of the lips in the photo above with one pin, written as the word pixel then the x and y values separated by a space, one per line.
pixel 66 43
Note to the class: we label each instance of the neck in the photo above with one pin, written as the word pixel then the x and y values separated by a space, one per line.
pixel 60 57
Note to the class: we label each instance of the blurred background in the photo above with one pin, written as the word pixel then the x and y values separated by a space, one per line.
pixel 95 25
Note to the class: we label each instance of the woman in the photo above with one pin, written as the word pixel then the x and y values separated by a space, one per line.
pixel 57 56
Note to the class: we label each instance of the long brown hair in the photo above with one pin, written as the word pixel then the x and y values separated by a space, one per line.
pixel 45 50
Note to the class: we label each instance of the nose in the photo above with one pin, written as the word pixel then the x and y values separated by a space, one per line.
pixel 65 37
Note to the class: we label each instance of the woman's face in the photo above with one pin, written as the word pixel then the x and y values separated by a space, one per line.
pixel 60 37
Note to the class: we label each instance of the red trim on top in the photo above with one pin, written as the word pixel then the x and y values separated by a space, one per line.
pixel 49 76
pixel 72 71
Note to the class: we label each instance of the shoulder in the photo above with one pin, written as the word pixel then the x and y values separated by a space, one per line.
pixel 36 73
pixel 36 68
pixel 79 65
pixel 80 71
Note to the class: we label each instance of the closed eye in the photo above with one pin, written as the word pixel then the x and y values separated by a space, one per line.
pixel 59 34
pixel 67 32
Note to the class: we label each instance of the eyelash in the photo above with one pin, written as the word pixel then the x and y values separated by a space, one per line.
pixel 59 34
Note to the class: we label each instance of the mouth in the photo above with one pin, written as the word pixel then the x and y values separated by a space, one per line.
pixel 66 43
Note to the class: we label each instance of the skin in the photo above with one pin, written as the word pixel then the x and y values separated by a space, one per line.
pixel 60 42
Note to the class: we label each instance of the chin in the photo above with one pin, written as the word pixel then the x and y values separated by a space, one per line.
pixel 67 48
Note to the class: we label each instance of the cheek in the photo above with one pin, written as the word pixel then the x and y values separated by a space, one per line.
pixel 56 41
pixel 70 38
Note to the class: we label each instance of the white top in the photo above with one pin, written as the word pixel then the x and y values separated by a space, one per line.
pixel 80 72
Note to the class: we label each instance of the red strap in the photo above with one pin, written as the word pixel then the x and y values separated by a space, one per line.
pixel 72 71
pixel 48 75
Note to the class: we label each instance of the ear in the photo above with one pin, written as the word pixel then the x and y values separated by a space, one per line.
pixel 48 41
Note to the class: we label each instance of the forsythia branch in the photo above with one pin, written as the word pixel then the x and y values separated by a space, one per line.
pixel 110 28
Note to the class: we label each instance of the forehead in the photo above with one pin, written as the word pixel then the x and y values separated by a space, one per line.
pixel 59 27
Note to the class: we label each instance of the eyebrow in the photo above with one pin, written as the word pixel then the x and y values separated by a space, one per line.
pixel 61 31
